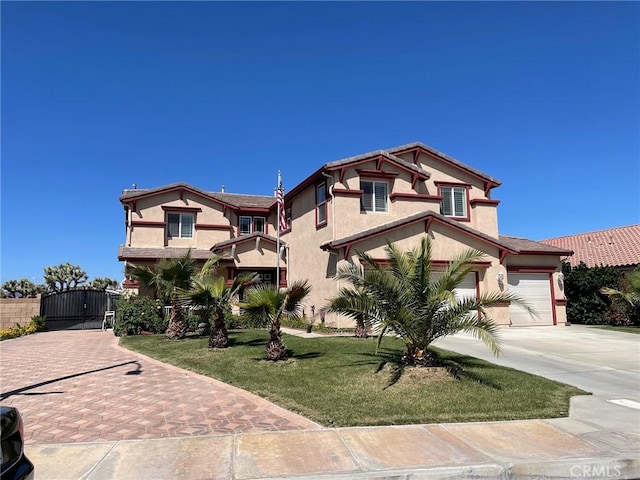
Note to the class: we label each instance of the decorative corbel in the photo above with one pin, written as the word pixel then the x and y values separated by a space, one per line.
pixel 427 224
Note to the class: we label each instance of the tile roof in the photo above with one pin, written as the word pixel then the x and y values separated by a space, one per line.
pixel 444 156
pixel 385 154
pixel 244 238
pixel 615 247
pixel 417 217
pixel 524 246
pixel 234 199
pixel 244 201
pixel 514 245
pixel 144 253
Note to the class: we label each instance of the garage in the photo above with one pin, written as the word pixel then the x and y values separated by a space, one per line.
pixel 535 288
pixel 466 288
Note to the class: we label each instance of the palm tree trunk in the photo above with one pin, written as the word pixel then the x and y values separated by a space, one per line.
pixel 276 349
pixel 177 328
pixel 219 338
pixel 418 357
pixel 361 329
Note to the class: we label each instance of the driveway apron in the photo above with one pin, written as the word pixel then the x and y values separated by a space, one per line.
pixel 80 386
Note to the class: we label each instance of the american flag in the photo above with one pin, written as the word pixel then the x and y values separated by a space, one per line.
pixel 282 219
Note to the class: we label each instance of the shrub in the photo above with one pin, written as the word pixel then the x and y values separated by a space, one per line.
pixel 18 331
pixel 137 314
pixel 194 317
pixel 39 322
pixel 301 323
pixel 236 322
pixel 585 303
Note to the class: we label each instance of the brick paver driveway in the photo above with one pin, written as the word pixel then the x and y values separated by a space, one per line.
pixel 79 386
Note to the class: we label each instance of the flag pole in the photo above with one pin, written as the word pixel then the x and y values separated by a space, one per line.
pixel 278 201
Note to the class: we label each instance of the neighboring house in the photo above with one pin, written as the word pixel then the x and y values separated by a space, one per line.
pixel 356 204
pixel 615 247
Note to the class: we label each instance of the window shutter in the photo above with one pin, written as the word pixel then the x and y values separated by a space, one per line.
pixel 258 224
pixel 366 202
pixel 380 196
pixel 245 225
pixel 174 224
pixel 446 201
pixel 321 204
pixel 459 202
pixel 187 226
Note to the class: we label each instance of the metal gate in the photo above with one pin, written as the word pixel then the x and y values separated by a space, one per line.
pixel 77 309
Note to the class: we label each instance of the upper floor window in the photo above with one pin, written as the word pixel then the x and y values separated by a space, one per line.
pixel 180 225
pixel 287 217
pixel 321 204
pixel 454 201
pixel 247 225
pixel 374 196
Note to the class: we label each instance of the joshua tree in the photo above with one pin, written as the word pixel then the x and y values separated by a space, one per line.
pixel 100 283
pixel 20 288
pixel 404 297
pixel 64 277
pixel 268 303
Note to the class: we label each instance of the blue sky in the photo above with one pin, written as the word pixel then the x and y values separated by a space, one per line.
pixel 97 96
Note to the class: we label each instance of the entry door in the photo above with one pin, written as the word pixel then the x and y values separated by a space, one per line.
pixel 534 288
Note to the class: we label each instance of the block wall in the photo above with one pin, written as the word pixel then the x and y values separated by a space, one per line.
pixel 18 310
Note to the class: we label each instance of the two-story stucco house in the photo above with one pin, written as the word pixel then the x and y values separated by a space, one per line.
pixel 350 205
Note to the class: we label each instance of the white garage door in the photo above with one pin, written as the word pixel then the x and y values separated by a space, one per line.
pixel 536 290
pixel 467 288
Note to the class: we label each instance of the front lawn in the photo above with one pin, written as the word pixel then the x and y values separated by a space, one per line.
pixel 340 381
pixel 629 329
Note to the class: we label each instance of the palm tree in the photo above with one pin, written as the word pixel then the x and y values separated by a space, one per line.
pixel 165 278
pixel 355 303
pixel 213 296
pixel 631 289
pixel 268 303
pixel 404 297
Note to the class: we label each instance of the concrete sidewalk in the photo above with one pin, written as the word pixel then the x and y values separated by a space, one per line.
pixel 572 447
pixel 600 439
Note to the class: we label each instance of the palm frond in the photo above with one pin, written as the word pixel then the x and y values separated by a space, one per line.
pixel 404 296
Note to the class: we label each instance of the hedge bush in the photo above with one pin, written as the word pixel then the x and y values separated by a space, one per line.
pixel 585 303
pixel 137 314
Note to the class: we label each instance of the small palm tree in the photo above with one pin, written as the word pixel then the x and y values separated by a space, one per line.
pixel 213 297
pixel 355 303
pixel 403 296
pixel 631 289
pixel 268 303
pixel 165 278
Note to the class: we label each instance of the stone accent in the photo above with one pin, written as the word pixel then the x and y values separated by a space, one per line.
pixel 18 310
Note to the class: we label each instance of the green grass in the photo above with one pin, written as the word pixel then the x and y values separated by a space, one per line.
pixel 341 381
pixel 619 329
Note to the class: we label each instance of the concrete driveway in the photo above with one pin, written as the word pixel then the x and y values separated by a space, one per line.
pixel 599 361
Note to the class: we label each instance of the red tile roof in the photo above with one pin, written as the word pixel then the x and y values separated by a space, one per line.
pixel 615 247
